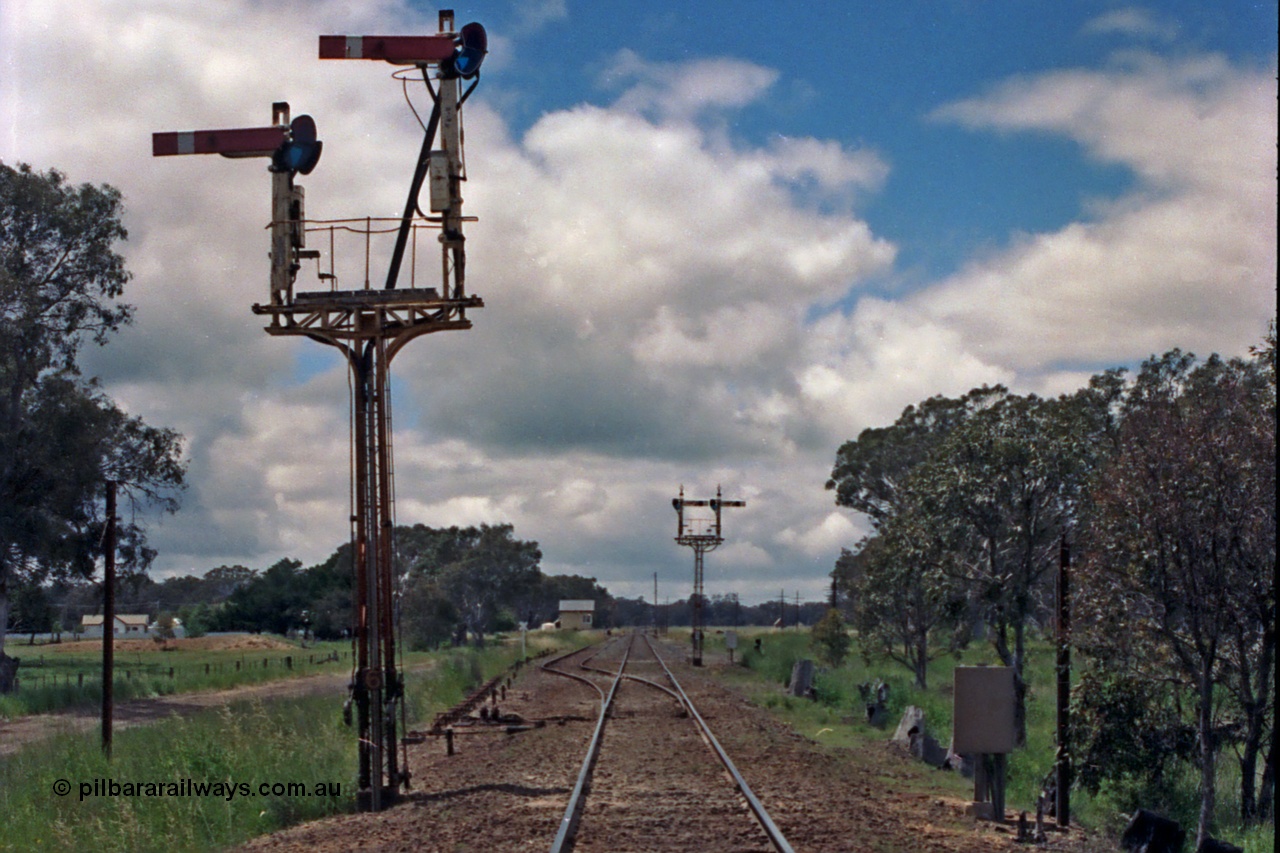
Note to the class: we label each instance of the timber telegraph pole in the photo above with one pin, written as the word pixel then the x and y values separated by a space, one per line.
pixel 369 326
pixel 702 535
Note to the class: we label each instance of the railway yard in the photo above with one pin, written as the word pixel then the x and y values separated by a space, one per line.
pixel 520 776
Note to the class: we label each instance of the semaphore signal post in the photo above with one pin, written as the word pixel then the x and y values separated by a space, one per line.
pixel 369 326
pixel 702 535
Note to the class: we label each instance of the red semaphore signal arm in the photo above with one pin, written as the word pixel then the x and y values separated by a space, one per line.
pixel 242 142
pixel 408 50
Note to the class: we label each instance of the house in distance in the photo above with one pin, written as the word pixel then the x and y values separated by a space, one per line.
pixel 576 614
pixel 126 625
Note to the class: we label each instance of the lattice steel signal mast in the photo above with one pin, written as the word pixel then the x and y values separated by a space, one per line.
pixel 369 326
pixel 702 535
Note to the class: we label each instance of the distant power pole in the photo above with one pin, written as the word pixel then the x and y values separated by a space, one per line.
pixel 655 604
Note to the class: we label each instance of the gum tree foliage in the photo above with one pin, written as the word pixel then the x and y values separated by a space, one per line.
pixel 276 601
pixel 30 611
pixel 830 639
pixel 1178 579
pixel 870 473
pixel 1166 485
pixel 60 437
pixel 890 583
pixel 969 498
pixel 1250 654
pixel 196 620
pixel 999 495
pixel 479 571
pixel 428 618
pixel 847 578
pixel 903 598
pixel 286 597
pixel 441 572
pixel 1128 732
pixel 496 572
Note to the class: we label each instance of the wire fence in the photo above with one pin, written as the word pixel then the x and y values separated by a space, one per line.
pixel 82 675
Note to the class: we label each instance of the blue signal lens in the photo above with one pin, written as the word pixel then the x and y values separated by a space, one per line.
pixel 301 158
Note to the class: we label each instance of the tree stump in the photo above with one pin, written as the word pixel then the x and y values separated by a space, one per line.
pixel 8 673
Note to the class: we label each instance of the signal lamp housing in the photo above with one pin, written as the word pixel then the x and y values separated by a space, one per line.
pixel 473 44
pixel 300 153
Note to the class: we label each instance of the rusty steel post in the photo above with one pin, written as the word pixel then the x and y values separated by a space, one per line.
pixel 360 557
pixel 697 617
pixel 377 686
pixel 383 517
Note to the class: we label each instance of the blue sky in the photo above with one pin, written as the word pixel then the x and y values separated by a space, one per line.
pixel 870 74
pixel 715 240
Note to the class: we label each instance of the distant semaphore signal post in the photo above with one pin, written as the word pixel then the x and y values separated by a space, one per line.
pixel 702 534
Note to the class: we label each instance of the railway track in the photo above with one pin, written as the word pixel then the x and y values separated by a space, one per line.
pixel 654 785
pixel 654 776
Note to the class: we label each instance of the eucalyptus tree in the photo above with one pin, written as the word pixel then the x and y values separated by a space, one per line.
pixel 1001 493
pixel 482 570
pixel 829 638
pixel 973 494
pixel 870 472
pixel 1180 547
pixel 1251 650
pixel 61 439
pixel 904 598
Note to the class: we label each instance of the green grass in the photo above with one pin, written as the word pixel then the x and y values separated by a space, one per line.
pixel 296 740
pixel 56 677
pixel 291 741
pixel 838 718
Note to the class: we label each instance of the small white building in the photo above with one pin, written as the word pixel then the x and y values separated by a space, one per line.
pixel 127 626
pixel 576 614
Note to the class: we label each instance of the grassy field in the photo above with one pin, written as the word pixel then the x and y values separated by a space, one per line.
pixel 58 676
pixel 838 718
pixel 49 799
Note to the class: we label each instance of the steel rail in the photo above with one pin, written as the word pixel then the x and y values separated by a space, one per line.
pixel 776 837
pixel 546 666
pixel 569 823
pixel 655 685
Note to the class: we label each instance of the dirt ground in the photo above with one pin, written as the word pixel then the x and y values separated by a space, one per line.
pixel 502 792
pixel 236 642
